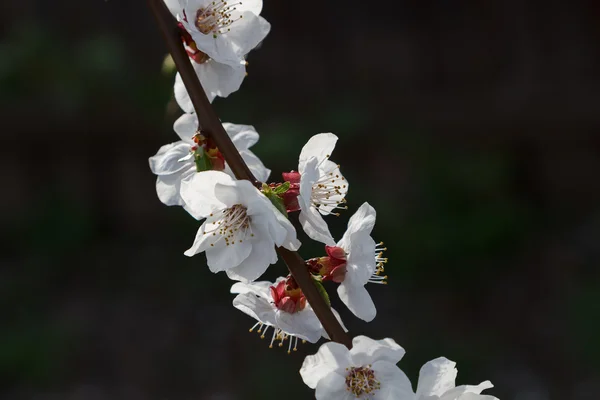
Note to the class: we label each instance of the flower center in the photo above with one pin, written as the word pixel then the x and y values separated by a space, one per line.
pixel 232 225
pixel 361 380
pixel 381 261
pixel 328 193
pixel 215 18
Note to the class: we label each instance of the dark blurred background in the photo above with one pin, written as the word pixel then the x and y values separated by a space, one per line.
pixel 471 126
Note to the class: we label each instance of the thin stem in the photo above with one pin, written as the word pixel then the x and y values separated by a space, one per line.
pixel 211 126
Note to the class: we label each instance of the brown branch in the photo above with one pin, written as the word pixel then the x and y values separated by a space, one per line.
pixel 211 126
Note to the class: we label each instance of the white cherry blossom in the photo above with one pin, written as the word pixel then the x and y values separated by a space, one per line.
pixel 353 262
pixel 322 188
pixel 367 371
pixel 436 382
pixel 224 30
pixel 282 307
pixel 242 226
pixel 175 162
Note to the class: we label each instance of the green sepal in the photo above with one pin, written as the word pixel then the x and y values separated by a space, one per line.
pixel 274 198
pixel 281 189
pixel 321 289
pixel 202 160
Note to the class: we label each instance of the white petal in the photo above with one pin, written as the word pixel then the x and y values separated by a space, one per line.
pixel 202 240
pixel 244 36
pixel 315 226
pixel 261 288
pixel 198 192
pixel 366 350
pixel 173 6
pixel 311 220
pixel 320 146
pixel 255 165
pixel 256 307
pixel 168 188
pixel 262 255
pixel 333 387
pixel 181 95
pixel 217 80
pixel 339 318
pixel 330 168
pixel 228 193
pixel 186 127
pixel 330 357
pixel 242 136
pixel 253 6
pixel 221 258
pixel 220 79
pixel 395 385
pixel 460 391
pixel 303 324
pixel 436 377
pixel 362 222
pixel 474 396
pixel 166 161
pixel 358 300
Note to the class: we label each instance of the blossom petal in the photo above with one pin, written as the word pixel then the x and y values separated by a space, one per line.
pixel 256 307
pixel 168 188
pixel 330 357
pixel 395 385
pixel 186 127
pixel 361 223
pixel 460 391
pixel 245 35
pixel 173 6
pixel 258 288
pixel 331 169
pixel 221 258
pixel 319 146
pixel 242 136
pixel 312 222
pixel 198 192
pixel 333 386
pixel 262 255
pixel 167 159
pixel 474 396
pixel 216 78
pixel 181 95
pixel 358 300
pixel 253 6
pixel 366 350
pixel 436 377
pixel 256 166
pixel 202 241
pixel 303 324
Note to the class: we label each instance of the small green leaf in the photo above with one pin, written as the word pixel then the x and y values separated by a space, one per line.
pixel 281 189
pixel 277 202
pixel 322 291
pixel 202 161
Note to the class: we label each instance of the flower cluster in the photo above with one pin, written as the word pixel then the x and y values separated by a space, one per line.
pixel 242 222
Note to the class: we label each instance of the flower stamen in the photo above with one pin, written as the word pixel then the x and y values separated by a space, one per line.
pixel 216 18
pixel 361 380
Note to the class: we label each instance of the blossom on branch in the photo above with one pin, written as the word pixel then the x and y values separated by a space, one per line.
pixel 436 382
pixel 241 229
pixel 224 30
pixel 318 187
pixel 281 306
pixel 367 371
pixel 178 161
pixel 353 262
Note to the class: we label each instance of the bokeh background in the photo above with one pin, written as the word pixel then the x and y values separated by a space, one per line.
pixel 471 126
